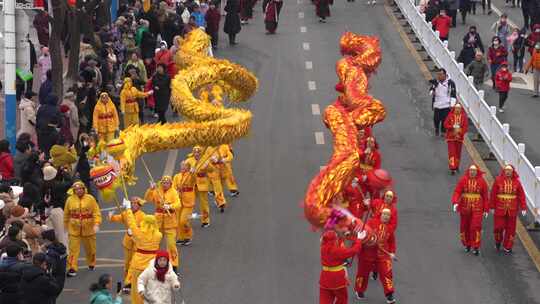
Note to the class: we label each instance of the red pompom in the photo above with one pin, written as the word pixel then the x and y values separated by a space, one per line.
pixel 340 87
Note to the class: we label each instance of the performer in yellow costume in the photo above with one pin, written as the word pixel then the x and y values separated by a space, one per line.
pixel 105 118
pixel 146 241
pixel 184 183
pixel 127 242
pixel 215 180
pixel 128 102
pixel 202 183
pixel 225 169
pixel 167 203
pixel 82 218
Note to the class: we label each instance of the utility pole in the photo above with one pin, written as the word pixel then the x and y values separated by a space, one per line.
pixel 10 61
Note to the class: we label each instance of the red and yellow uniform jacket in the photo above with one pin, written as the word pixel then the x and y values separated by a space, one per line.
pixel 184 183
pixel 105 117
pixel 128 98
pixel 385 241
pixel 225 154
pixel 202 174
pixel 166 220
pixel 333 257
pixel 369 161
pixel 146 243
pixel 507 195
pixel 81 215
pixel 127 242
pixel 471 194
pixel 354 201
pixel 452 120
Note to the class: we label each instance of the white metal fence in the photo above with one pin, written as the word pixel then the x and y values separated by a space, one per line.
pixel 496 134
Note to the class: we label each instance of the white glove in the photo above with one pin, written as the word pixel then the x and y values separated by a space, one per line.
pixel 523 212
pixel 96 228
pixel 111 213
pixel 129 232
pixel 486 214
pixel 454 207
pixel 492 211
pixel 367 201
pixel 166 206
pixel 192 170
pixel 126 203
pixel 214 159
pixel 393 256
pixel 354 183
pixel 361 235
pixel 44 228
pixel 152 185
pixel 364 178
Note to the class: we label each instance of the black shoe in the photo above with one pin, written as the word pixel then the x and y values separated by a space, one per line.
pixel 507 251
pixel 186 242
pixel 476 252
pixel 175 269
pixel 535 96
pixel 467 249
pixel 234 193
pixel 222 209
pixel 360 295
pixel 91 268
pixel 437 133
pixel 71 273
pixel 205 225
pixel 498 246
pixel 212 193
pixel 452 172
pixel 390 298
pixel 374 276
pixel 489 12
pixel 127 289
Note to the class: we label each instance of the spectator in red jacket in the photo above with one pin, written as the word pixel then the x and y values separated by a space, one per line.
pixel 503 78
pixel 6 161
pixel 442 23
pixel 212 18
pixel 497 54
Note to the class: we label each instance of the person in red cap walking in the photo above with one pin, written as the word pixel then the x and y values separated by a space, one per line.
pixel 456 125
pixel 470 199
pixel 333 279
pixel 506 200
pixel 503 78
pixel 157 282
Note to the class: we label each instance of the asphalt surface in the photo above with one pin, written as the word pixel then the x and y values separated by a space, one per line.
pixel 262 250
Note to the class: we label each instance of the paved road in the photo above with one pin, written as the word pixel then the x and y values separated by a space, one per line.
pixel 262 250
pixel 521 110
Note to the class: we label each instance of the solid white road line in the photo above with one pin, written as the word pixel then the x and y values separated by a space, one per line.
pixel 319 138
pixel 309 65
pixel 301 15
pixel 305 45
pixel 171 161
pixel 315 109
pixel 303 29
pixel 312 85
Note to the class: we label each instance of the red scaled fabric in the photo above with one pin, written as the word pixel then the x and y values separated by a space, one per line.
pixel 507 198
pixel 471 198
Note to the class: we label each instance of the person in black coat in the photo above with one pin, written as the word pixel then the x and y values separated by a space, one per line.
pixel 37 285
pixel 232 20
pixel 464 8
pixel 46 88
pixel 161 83
pixel 148 45
pixel 471 44
pixel 54 192
pixel 48 122
pixel 56 257
pixel 11 270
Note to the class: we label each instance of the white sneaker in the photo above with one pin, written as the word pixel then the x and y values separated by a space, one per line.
pixel 501 110
pixel 373 2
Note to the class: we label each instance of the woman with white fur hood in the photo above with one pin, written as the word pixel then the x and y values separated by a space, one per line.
pixel 157 281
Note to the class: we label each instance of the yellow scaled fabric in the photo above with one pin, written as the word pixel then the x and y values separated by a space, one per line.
pixel 105 118
pixel 184 183
pixel 205 123
pixel 127 241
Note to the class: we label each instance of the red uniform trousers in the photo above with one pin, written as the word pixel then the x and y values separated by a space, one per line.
pixel 454 154
pixel 470 229
pixel 504 229
pixel 333 296
pixel 381 265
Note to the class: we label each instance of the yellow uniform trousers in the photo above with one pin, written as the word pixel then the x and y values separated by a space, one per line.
pixel 170 238
pixel 74 249
pixel 135 296
pixel 185 232
pixel 131 119
pixel 107 136
pixel 215 180
pixel 227 177
pixel 204 208
pixel 128 254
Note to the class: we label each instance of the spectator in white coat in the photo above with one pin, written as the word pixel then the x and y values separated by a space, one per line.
pixel 28 109
pixel 157 281
pixel 74 124
pixel 44 64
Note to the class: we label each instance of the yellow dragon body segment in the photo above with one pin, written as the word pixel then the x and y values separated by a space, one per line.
pixel 206 125
pixel 354 109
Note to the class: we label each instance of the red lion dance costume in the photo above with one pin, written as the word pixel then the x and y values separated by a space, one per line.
pixel 353 110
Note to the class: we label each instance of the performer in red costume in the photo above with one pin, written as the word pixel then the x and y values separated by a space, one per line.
pixel 333 280
pixel 378 257
pixel 470 199
pixel 363 135
pixel 507 198
pixel 456 125
pixel 354 199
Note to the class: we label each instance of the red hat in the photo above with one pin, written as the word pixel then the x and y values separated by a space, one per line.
pixel 329 236
pixel 504 63
pixel 64 108
pixel 379 178
pixel 162 254
pixel 340 87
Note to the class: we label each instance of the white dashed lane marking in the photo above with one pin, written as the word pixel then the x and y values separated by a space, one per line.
pixel 309 65
pixel 319 138
pixel 301 15
pixel 303 29
pixel 315 109
pixel 305 45
pixel 312 85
